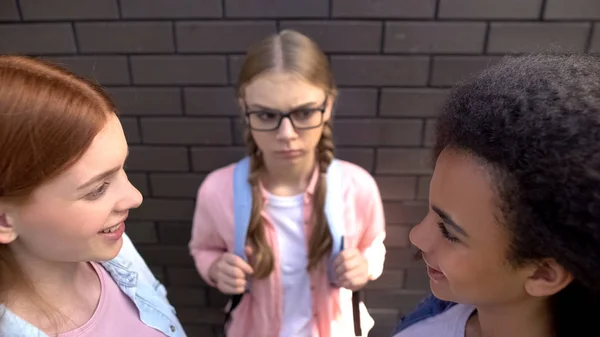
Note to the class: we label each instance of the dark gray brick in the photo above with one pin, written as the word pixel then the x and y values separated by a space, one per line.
pixel 141 231
pixel 37 38
pixel 175 233
pixel 185 276
pixel 435 37
pixel 514 37
pixel 235 64
pixel 276 9
pixel 411 102
pixel 403 161
pixel 384 8
pixel 364 158
pixel 391 279
pixel 239 135
pixel 165 255
pixel 132 130
pixel 489 9
pixel 125 37
pixel 187 296
pixel 429 137
pixel 206 159
pixel 354 102
pixel 376 132
pixel 69 9
pixel 215 36
pixel 397 236
pixel 157 158
pixel 417 279
pixel 139 181
pixel 175 69
pixel 201 315
pixel 396 187
pixel 595 45
pixel 405 213
pixel 211 102
pixel 165 209
pixel 166 9
pixel 175 184
pixel 423 188
pixel 9 11
pixel 384 317
pixel 147 101
pixel 195 131
pixel 340 36
pixel 572 9
pixel 403 300
pixel 447 70
pixel 106 70
pixel 380 70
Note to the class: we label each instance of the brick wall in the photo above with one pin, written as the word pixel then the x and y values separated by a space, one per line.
pixel 170 66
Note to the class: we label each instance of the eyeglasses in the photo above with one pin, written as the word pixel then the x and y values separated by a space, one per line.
pixel 301 118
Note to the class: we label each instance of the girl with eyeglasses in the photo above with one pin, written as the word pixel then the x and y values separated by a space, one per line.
pixel 287 285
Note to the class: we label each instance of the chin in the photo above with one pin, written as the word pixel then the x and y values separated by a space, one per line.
pixel 109 253
pixel 442 291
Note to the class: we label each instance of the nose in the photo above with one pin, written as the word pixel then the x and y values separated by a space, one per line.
pixel 132 197
pixel 286 130
pixel 421 235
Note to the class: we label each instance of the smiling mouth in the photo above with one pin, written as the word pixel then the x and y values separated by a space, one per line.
pixel 112 229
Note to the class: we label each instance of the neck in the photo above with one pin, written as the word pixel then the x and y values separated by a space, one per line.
pixel 293 177
pixel 63 291
pixel 525 319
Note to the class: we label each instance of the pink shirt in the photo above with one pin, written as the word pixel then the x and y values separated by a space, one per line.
pixel 259 312
pixel 115 315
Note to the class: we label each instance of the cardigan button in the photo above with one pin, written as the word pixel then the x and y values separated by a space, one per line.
pixel 172 328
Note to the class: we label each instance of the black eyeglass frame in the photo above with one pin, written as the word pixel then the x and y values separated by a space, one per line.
pixel 287 115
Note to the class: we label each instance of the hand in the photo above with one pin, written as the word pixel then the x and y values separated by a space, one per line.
pixel 351 269
pixel 229 273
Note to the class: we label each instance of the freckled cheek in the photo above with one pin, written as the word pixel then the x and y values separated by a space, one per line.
pixel 77 220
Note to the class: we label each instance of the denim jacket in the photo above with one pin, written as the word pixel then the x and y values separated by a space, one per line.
pixel 135 279
pixel 429 307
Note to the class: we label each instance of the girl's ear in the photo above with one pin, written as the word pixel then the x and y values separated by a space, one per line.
pixel 547 279
pixel 7 231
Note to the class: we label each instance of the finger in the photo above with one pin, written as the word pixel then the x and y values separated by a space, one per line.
pixel 346 255
pixel 249 251
pixel 235 284
pixel 236 261
pixel 349 264
pixel 233 272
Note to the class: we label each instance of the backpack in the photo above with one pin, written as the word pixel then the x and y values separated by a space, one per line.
pixel 334 212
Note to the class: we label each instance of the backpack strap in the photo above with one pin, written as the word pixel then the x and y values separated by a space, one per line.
pixel 334 212
pixel 242 206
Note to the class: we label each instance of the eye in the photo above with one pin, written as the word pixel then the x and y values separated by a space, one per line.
pixel 97 193
pixel 304 113
pixel 265 115
pixel 446 234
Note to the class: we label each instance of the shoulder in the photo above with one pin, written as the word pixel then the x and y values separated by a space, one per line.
pixel 440 319
pixel 358 180
pixel 218 179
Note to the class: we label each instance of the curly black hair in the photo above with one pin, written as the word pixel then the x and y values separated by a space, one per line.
pixel 534 120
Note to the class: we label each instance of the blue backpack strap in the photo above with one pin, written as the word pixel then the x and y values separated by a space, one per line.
pixel 334 212
pixel 242 206
pixel 429 307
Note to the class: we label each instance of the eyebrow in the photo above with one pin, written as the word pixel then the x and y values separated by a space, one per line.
pixel 101 176
pixel 448 220
pixel 301 106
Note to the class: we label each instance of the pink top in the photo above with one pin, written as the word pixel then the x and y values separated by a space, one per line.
pixel 115 314
pixel 259 312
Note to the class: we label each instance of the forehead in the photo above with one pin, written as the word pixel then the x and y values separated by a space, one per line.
pixel 462 187
pixel 282 90
pixel 107 150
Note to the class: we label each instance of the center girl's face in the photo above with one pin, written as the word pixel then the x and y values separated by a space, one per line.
pixel 463 243
pixel 78 216
pixel 295 140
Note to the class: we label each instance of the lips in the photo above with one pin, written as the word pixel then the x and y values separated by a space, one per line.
pixel 113 228
pixel 434 274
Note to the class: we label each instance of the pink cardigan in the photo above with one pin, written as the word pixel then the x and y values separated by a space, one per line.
pixel 259 312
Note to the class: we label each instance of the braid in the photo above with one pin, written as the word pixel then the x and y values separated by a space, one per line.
pixel 320 242
pixel 263 260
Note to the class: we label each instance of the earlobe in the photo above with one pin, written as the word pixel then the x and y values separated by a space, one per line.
pixel 547 279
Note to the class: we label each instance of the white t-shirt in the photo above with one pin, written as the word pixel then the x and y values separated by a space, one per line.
pixel 286 214
pixel 450 323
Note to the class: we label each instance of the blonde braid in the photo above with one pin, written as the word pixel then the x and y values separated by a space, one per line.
pixel 320 242
pixel 262 260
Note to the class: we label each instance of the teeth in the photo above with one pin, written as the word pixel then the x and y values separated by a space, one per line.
pixel 110 230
